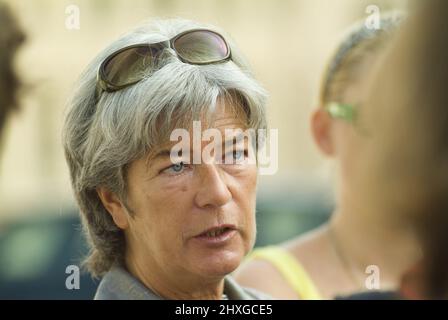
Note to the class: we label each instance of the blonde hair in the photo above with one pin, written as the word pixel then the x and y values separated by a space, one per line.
pixel 359 42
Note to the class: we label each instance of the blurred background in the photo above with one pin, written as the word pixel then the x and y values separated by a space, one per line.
pixel 288 43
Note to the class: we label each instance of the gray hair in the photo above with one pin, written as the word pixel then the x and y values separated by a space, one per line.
pixel 101 138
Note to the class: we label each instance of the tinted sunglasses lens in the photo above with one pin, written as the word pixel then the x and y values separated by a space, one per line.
pixel 201 46
pixel 131 65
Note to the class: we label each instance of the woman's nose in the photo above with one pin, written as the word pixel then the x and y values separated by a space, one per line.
pixel 212 190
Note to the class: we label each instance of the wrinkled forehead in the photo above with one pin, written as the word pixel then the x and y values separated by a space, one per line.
pixel 228 116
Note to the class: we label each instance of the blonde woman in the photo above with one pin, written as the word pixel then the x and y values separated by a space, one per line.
pixel 333 259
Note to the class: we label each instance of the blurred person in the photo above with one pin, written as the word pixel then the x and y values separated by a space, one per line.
pixel 160 229
pixel 11 36
pixel 406 161
pixel 332 260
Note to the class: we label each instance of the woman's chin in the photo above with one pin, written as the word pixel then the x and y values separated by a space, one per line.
pixel 219 264
pixel 216 260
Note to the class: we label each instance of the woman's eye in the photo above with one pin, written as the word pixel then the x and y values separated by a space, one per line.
pixel 236 155
pixel 175 168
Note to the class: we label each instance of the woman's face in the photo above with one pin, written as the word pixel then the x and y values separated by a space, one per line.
pixel 192 220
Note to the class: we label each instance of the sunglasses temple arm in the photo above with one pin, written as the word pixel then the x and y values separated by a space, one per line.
pixel 98 92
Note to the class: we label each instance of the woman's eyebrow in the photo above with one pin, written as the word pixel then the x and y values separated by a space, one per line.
pixel 160 155
pixel 165 153
pixel 234 139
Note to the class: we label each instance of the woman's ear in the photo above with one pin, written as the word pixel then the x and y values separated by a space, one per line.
pixel 114 206
pixel 321 127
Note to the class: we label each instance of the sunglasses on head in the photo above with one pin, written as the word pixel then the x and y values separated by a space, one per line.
pixel 130 64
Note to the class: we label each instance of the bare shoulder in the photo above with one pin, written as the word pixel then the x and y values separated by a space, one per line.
pixel 309 250
pixel 315 254
pixel 309 245
pixel 263 276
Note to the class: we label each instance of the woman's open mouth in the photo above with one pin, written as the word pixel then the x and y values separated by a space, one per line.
pixel 217 235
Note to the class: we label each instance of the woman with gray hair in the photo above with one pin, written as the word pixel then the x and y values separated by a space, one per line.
pixel 164 227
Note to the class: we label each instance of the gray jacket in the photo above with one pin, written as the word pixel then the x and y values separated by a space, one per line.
pixel 118 284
